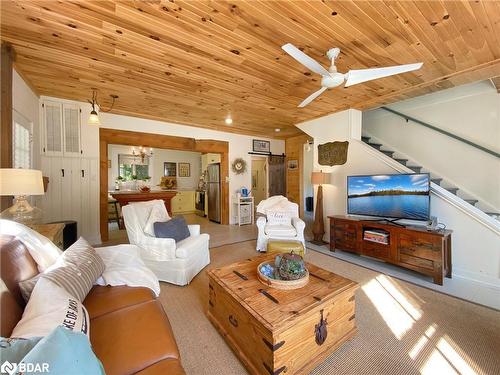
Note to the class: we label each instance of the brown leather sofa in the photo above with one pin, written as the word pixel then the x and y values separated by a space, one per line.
pixel 129 330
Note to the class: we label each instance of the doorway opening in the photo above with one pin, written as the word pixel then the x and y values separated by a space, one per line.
pixel 158 141
pixel 260 189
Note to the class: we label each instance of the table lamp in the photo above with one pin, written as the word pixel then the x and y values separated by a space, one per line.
pixel 21 183
pixel 319 178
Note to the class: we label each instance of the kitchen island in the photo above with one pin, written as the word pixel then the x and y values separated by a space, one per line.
pixel 125 197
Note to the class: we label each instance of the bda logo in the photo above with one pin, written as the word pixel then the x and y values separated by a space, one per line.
pixel 8 368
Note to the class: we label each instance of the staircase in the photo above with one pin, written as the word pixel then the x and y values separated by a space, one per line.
pixel 418 169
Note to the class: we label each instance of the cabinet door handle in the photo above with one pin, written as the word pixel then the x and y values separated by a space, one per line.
pixel 83 173
pixel 62 171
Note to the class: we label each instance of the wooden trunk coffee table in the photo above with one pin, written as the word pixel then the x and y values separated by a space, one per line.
pixel 275 331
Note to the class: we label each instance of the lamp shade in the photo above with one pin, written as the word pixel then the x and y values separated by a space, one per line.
pixel 320 178
pixel 94 118
pixel 15 181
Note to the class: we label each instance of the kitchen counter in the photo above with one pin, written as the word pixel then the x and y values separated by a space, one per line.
pixel 152 191
pixel 125 197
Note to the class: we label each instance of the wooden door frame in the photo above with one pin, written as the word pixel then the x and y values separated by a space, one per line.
pixel 132 138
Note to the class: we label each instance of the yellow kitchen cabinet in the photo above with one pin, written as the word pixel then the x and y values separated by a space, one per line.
pixel 183 202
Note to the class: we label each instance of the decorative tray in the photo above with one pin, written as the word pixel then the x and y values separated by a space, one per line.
pixel 267 275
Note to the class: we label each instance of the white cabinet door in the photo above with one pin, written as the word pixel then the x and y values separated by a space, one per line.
pixel 53 128
pixel 71 127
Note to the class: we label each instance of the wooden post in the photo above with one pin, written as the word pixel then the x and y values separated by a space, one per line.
pixel 319 226
pixel 6 115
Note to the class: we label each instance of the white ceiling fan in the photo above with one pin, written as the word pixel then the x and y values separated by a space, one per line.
pixel 331 78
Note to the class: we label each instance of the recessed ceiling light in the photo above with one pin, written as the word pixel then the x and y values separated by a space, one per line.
pixel 277 130
pixel 228 120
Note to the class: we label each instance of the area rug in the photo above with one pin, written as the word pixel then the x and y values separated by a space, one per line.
pixel 402 328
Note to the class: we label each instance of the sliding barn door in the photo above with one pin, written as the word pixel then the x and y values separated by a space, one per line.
pixel 277 178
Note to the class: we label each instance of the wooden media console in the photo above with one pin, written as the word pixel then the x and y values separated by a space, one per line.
pixel 423 251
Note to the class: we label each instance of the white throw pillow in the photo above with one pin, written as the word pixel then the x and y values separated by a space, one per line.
pixel 279 218
pixel 49 307
pixel 157 215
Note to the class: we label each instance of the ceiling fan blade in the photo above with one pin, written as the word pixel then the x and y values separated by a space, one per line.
pixel 305 60
pixel 358 76
pixel 311 97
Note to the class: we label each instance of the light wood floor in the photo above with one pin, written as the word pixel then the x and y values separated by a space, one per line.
pixel 219 234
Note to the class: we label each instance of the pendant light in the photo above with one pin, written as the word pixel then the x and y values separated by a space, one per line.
pixel 94 116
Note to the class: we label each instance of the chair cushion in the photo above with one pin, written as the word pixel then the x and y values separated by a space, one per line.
pixel 278 230
pixel 175 228
pixel 191 246
pixel 106 299
pixel 131 339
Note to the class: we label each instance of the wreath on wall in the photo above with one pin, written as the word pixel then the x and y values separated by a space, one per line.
pixel 239 166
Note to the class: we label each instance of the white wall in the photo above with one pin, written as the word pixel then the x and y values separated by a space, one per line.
pixel 156 165
pixel 475 246
pixel 26 104
pixel 471 112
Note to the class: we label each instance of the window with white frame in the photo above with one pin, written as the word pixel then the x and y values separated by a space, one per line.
pixel 22 145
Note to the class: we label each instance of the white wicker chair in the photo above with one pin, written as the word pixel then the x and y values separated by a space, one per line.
pixel 268 231
pixel 176 263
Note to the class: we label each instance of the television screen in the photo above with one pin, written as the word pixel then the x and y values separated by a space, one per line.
pixel 399 196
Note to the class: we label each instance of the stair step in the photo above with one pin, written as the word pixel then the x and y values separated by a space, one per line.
pixel 437 181
pixel 375 145
pixel 471 201
pixel 365 139
pixel 415 168
pixel 388 153
pixel 402 161
pixel 452 190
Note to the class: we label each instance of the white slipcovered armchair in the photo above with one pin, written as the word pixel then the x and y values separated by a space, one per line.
pixel 282 221
pixel 176 263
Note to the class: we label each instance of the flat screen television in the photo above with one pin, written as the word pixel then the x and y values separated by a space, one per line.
pixel 394 196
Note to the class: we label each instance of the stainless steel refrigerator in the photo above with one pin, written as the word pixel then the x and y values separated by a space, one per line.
pixel 213 192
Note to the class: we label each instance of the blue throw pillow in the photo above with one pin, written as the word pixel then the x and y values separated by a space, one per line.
pixel 175 228
pixel 62 352
pixel 14 350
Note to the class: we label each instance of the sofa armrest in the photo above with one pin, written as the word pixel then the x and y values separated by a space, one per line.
pixel 299 224
pixel 157 248
pixel 194 229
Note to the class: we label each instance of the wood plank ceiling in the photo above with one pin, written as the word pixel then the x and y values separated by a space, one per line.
pixel 195 62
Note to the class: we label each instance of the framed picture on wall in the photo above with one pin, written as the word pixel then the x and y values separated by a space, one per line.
pixel 169 169
pixel 261 146
pixel 293 164
pixel 184 170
